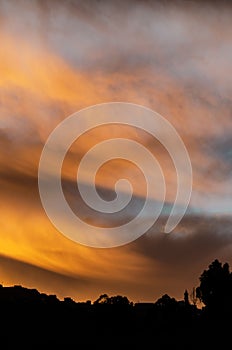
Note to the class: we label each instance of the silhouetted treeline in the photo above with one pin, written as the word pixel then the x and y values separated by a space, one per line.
pixel 30 319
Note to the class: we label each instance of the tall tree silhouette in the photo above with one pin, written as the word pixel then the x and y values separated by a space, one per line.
pixel 215 288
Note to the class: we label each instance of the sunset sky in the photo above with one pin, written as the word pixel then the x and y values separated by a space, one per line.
pixel 58 57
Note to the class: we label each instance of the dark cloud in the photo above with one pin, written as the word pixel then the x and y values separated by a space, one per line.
pixel 196 238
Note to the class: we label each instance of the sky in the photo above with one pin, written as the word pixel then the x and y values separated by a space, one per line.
pixel 58 57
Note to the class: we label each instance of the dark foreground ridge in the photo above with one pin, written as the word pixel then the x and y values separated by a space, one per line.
pixel 32 320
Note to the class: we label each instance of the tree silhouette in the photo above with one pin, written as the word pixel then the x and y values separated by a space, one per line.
pixel 114 300
pixel 103 299
pixel 165 301
pixel 216 287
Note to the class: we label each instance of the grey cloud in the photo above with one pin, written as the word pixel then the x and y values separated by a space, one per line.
pixel 196 238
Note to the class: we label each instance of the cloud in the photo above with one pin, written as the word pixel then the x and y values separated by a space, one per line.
pixel 14 272
pixel 59 57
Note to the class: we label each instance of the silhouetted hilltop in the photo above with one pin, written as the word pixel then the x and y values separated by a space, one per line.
pixel 21 295
pixel 34 319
